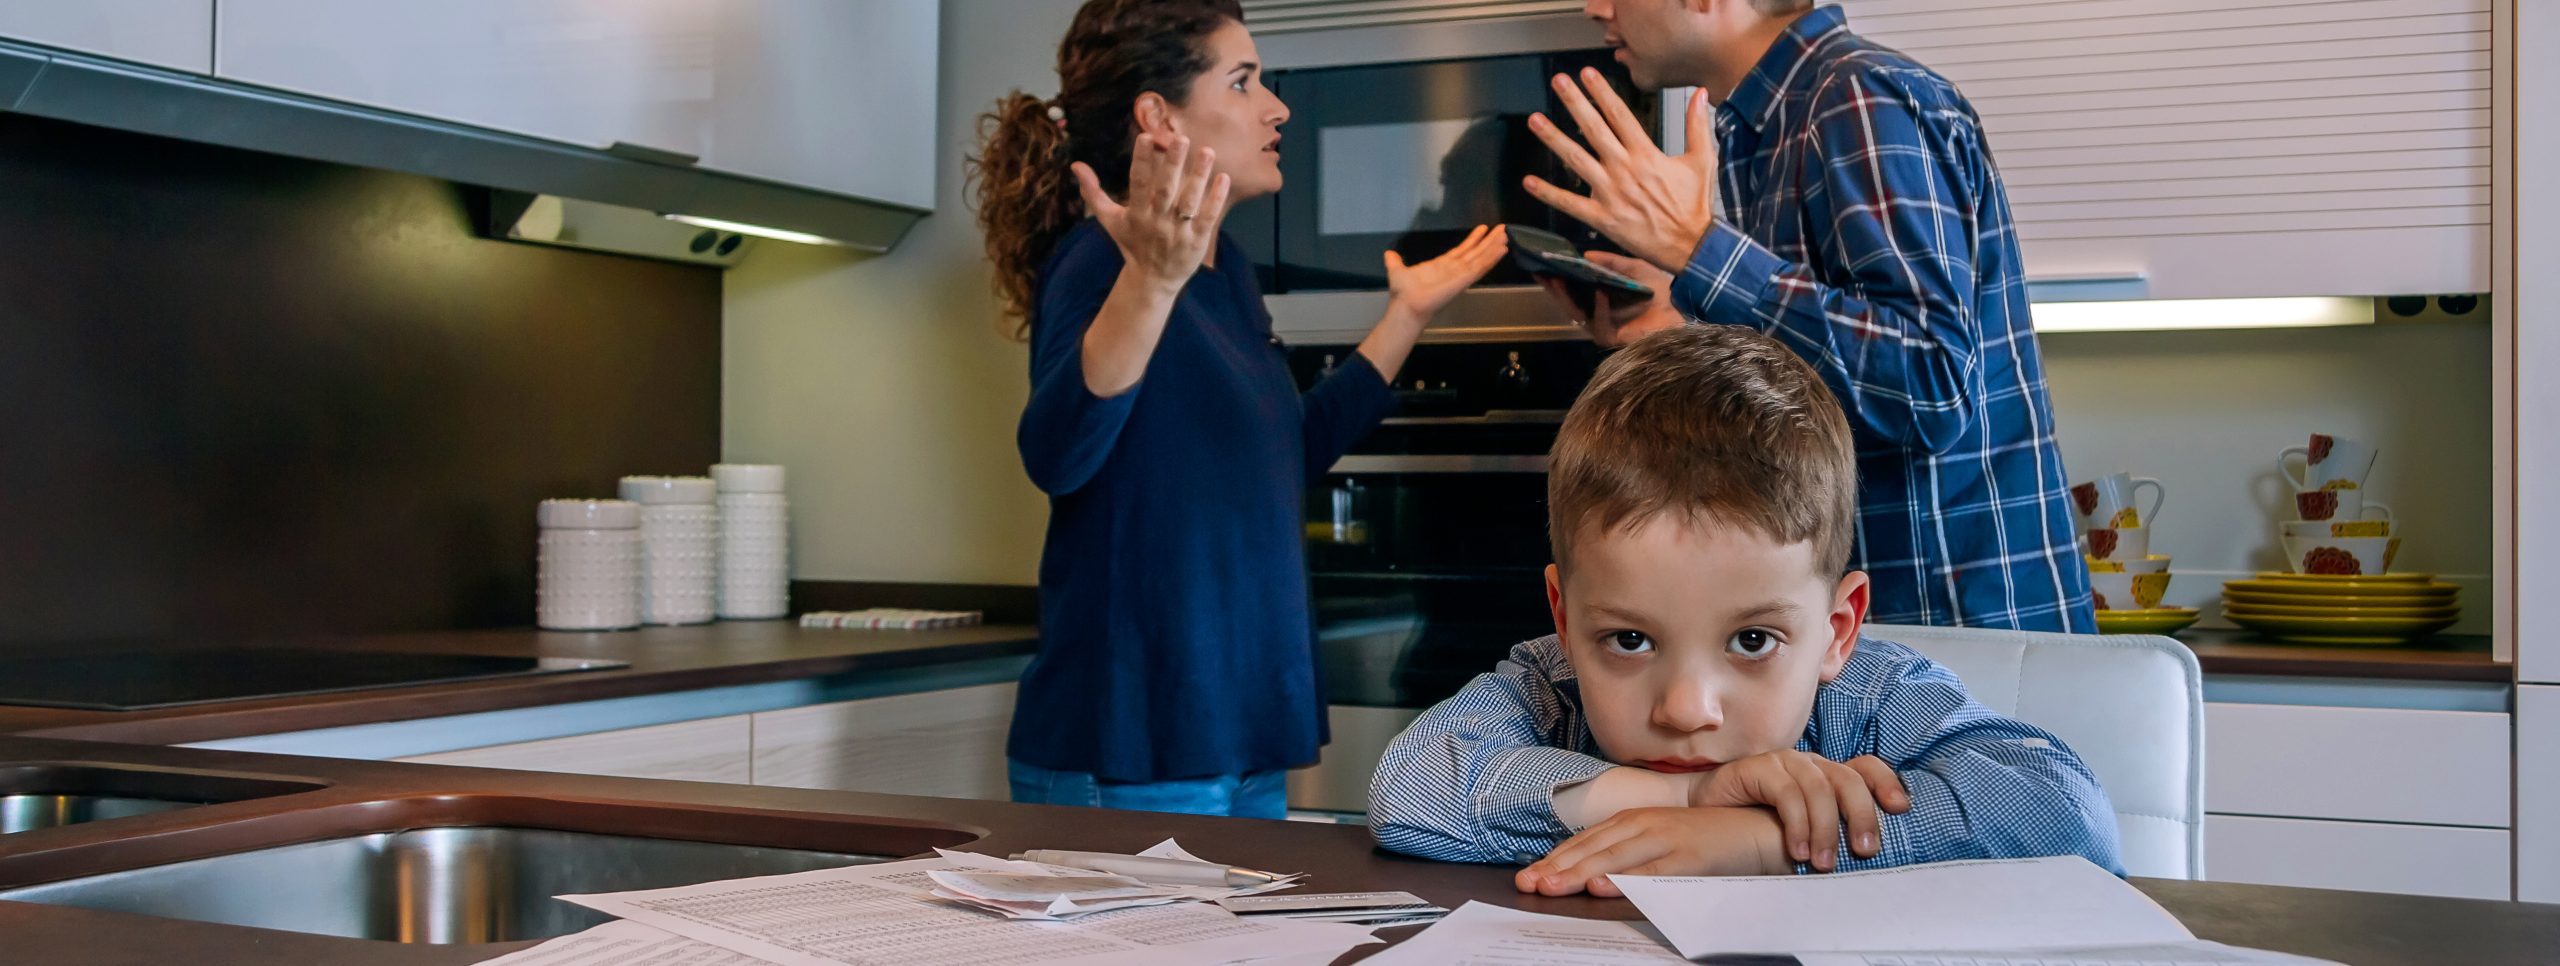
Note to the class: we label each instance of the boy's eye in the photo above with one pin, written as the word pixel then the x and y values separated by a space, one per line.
pixel 1627 642
pixel 1754 644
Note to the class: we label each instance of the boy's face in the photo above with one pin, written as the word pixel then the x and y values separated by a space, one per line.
pixel 1699 644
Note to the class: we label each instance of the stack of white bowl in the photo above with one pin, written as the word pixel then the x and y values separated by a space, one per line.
pixel 588 568
pixel 679 547
pixel 755 537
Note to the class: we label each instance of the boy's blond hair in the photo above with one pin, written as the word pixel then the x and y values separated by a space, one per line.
pixel 1713 422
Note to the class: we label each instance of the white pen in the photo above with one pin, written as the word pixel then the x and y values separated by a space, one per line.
pixel 1150 868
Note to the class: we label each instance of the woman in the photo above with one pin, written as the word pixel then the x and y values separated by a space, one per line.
pixel 1176 669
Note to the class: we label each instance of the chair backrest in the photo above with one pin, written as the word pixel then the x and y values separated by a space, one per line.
pixel 2131 706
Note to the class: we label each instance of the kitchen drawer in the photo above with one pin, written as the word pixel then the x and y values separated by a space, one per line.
pixel 946 743
pixel 2421 860
pixel 1339 780
pixel 2363 764
pixel 708 750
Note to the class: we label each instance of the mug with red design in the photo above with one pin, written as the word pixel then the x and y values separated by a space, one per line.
pixel 2330 462
pixel 2108 501
pixel 2320 504
pixel 2116 543
pixel 2338 556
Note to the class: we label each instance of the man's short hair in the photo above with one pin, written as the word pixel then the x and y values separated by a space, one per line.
pixel 1780 8
pixel 1713 423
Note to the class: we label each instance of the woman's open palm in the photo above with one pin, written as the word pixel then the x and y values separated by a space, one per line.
pixel 1426 288
pixel 1175 200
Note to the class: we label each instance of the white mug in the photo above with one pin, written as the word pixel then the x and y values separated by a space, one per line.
pixel 2116 543
pixel 2338 556
pixel 2108 501
pixel 2321 505
pixel 2334 462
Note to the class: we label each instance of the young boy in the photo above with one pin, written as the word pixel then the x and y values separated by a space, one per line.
pixel 1706 706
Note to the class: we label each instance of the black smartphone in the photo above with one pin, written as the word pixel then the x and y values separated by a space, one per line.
pixel 1545 253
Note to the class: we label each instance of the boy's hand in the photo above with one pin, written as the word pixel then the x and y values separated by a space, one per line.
pixel 1813 795
pixel 1659 841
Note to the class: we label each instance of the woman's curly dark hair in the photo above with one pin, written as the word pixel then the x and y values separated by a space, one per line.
pixel 1025 196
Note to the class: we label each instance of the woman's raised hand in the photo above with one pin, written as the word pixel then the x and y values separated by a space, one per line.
pixel 1424 289
pixel 1176 197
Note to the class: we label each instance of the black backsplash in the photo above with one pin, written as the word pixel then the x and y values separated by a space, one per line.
pixel 250 396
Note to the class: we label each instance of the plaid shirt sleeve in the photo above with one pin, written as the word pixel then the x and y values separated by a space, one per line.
pixel 1896 336
pixel 1474 779
pixel 1983 786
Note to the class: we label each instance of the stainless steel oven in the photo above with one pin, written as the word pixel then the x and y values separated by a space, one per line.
pixel 1427 544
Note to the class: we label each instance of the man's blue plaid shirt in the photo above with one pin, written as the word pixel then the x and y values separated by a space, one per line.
pixel 1865 227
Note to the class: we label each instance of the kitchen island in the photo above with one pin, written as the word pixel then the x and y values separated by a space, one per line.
pixel 325 799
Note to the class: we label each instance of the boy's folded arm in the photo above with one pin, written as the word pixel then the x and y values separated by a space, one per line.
pixel 1474 778
pixel 1982 785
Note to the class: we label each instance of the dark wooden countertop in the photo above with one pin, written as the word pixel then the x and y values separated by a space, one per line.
pixel 662 659
pixel 2447 658
pixel 2360 928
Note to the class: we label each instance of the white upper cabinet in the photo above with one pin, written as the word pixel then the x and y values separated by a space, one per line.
pixel 829 94
pixel 833 94
pixel 2222 149
pixel 164 33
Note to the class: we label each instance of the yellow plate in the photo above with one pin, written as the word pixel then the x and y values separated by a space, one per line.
pixel 2342 630
pixel 2337 587
pixel 2158 620
pixel 2333 610
pixel 2337 600
pixel 2331 578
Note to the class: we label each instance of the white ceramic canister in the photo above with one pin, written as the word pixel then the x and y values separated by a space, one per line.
pixel 587 572
pixel 679 547
pixel 755 538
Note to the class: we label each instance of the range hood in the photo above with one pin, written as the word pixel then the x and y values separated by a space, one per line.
pixel 586 182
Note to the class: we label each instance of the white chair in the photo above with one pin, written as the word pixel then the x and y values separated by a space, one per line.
pixel 2131 706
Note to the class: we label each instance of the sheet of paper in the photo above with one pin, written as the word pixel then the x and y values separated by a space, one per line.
pixel 886 914
pixel 624 943
pixel 2008 904
pixel 1487 935
pixel 2191 953
pixel 1169 849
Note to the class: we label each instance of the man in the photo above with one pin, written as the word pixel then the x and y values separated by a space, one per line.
pixel 1864 226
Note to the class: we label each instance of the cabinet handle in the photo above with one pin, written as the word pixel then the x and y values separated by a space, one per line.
pixel 643 152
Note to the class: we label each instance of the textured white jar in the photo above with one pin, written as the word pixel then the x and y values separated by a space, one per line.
pixel 755 539
pixel 587 573
pixel 679 547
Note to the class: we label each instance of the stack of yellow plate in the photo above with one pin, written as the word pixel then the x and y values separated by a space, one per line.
pixel 2322 609
pixel 2156 620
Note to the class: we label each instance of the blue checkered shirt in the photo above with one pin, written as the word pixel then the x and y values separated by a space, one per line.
pixel 1474 779
pixel 1865 227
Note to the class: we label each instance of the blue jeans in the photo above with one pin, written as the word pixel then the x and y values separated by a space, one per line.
pixel 1261 794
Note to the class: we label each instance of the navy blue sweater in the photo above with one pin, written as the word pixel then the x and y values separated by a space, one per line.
pixel 1176 630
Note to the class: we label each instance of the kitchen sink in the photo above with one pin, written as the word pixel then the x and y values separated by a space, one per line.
pixel 470 883
pixel 49 794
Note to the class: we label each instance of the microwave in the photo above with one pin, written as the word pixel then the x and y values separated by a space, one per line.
pixel 1410 156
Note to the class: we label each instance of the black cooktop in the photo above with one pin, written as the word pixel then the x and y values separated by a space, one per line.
pixel 140 680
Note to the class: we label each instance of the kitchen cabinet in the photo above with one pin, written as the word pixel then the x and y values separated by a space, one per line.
pixel 2446 767
pixel 2538 793
pixel 830 94
pixel 945 743
pixel 706 750
pixel 176 34
pixel 2186 141
pixel 2377 799
pixel 2422 860
pixel 1339 780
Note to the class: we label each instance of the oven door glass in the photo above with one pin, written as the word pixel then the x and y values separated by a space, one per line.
pixel 1411 157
